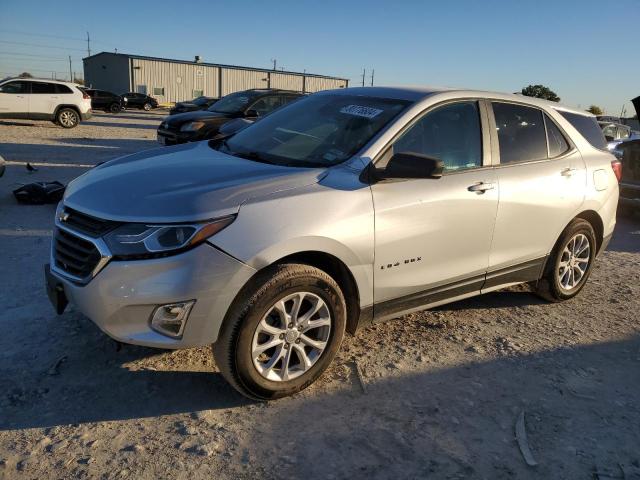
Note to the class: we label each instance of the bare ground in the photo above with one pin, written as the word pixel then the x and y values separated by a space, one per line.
pixel 442 389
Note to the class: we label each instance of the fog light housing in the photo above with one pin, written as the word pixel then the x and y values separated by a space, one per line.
pixel 170 319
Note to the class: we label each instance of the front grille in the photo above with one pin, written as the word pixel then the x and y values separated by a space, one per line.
pixel 92 226
pixel 74 255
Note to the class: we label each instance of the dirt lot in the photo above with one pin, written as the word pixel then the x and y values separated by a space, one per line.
pixel 443 389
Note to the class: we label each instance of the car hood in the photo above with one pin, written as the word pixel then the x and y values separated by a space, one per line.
pixel 189 182
pixel 200 115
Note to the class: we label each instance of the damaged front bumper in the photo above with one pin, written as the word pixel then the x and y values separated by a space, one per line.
pixel 124 295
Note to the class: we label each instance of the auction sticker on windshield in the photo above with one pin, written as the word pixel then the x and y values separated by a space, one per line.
pixel 361 111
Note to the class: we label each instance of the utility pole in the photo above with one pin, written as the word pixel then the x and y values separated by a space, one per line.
pixel 88 45
pixel 364 74
pixel 274 63
pixel 372 72
pixel 70 72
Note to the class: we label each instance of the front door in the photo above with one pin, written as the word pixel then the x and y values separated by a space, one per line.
pixel 542 181
pixel 14 99
pixel 433 236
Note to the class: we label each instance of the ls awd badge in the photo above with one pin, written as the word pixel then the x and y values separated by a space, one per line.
pixel 403 262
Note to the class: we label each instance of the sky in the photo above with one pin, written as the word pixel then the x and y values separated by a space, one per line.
pixel 586 51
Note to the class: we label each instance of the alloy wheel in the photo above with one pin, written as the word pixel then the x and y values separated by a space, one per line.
pixel 291 337
pixel 68 118
pixel 574 261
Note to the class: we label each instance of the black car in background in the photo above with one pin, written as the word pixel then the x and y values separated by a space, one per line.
pixel 140 100
pixel 205 124
pixel 107 101
pixel 200 103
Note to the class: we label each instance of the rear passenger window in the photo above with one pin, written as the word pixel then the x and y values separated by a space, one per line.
pixel 588 128
pixel 557 143
pixel 451 133
pixel 521 133
pixel 40 87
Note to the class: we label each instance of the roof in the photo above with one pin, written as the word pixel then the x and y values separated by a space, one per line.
pixel 220 65
pixel 417 93
pixel 35 79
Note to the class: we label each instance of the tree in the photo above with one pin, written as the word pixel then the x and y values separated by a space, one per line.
pixel 540 91
pixel 596 110
pixel 25 75
pixel 78 80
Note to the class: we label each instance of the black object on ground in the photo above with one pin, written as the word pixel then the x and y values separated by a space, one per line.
pixel 39 193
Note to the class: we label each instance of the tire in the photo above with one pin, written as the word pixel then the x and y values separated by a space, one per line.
pixel 146 107
pixel 115 108
pixel 67 118
pixel 254 311
pixel 561 280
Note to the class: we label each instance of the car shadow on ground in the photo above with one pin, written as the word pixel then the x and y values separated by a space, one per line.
pixel 580 404
pixel 626 237
pixel 135 115
pixel 143 126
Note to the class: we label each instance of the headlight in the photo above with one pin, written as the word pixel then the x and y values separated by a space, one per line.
pixel 143 240
pixel 191 126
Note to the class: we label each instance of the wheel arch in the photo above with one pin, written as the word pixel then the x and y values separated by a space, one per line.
pixel 338 270
pixel 596 222
pixel 71 106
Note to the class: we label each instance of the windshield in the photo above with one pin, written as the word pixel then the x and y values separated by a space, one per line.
pixel 320 130
pixel 232 103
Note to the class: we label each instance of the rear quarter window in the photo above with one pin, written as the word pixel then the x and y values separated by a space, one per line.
pixel 588 128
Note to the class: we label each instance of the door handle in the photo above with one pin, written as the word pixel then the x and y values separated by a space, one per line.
pixel 480 187
pixel 567 172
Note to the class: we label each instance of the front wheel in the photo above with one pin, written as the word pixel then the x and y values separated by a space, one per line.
pixel 67 118
pixel 283 331
pixel 115 108
pixel 570 263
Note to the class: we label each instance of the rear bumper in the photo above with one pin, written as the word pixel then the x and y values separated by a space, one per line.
pixel 122 297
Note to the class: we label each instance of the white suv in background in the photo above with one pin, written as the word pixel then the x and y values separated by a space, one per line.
pixel 34 99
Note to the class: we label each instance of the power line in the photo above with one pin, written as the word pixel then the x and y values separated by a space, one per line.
pixel 41 46
pixel 41 35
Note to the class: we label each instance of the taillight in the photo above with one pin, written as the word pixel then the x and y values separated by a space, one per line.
pixel 85 95
pixel 617 168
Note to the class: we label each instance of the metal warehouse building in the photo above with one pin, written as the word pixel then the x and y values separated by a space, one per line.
pixel 178 80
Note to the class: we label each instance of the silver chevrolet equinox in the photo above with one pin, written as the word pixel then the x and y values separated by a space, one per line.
pixel 345 208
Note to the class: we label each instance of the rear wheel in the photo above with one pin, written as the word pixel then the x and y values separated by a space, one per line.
pixel 282 333
pixel 67 118
pixel 146 107
pixel 115 108
pixel 570 263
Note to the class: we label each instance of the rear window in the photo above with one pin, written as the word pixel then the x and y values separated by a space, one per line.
pixel 521 133
pixel 588 128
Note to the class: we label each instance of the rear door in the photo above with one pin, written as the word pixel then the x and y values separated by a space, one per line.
pixel 44 99
pixel 433 236
pixel 542 182
pixel 14 99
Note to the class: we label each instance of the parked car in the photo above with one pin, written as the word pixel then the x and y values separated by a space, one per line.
pixel 628 152
pixel 37 99
pixel 201 125
pixel 140 100
pixel 614 133
pixel 345 207
pixel 199 103
pixel 107 101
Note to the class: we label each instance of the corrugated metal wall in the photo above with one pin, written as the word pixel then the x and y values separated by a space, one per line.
pixel 183 81
pixel 286 81
pixel 180 81
pixel 315 84
pixel 234 80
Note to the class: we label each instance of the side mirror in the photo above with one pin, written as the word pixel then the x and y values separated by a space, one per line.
pixel 251 114
pixel 406 165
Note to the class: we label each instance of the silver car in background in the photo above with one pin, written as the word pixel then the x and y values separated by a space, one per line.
pixel 344 208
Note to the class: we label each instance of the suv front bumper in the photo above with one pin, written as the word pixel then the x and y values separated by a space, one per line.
pixel 123 296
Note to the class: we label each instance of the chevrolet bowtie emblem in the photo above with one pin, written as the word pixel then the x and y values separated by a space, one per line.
pixel 64 217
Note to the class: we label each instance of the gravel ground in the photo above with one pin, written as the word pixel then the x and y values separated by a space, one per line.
pixel 437 396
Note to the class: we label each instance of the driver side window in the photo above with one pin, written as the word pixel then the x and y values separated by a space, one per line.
pixel 266 105
pixel 451 133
